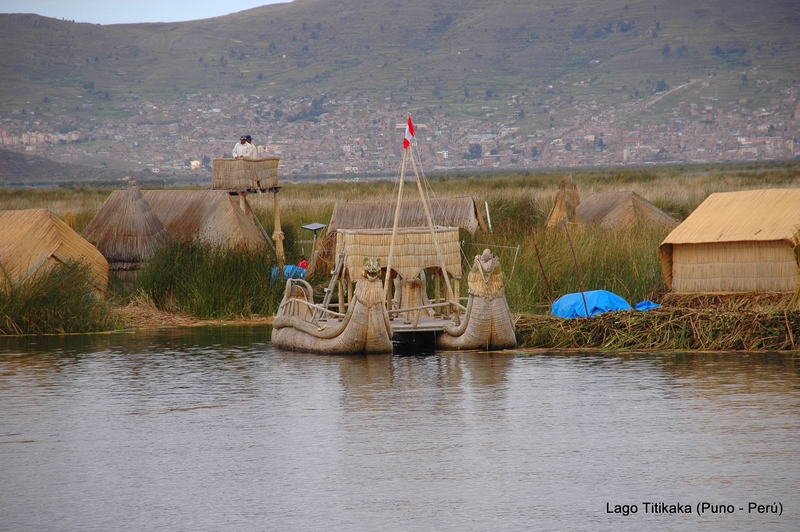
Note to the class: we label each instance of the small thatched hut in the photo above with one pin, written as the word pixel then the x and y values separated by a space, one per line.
pixel 736 242
pixel 127 232
pixel 33 239
pixel 460 212
pixel 414 250
pixel 621 209
pixel 245 174
pixel 212 216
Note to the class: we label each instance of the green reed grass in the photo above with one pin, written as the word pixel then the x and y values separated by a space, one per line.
pixel 211 282
pixel 55 300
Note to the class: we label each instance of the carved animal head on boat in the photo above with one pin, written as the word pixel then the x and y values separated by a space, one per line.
pixel 486 263
pixel 372 268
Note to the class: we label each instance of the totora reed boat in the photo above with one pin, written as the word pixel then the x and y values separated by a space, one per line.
pixel 416 306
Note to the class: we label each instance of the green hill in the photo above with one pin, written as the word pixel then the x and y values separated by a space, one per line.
pixel 431 49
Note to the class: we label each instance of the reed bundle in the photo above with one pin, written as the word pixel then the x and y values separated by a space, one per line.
pixel 671 328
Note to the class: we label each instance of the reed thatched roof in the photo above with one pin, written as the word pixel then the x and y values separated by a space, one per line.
pixel 621 209
pixel 212 216
pixel 126 230
pixel 752 215
pixel 414 250
pixel 452 212
pixel 35 238
pixel 245 174
pixel 736 242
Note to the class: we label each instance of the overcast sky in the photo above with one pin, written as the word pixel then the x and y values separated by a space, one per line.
pixel 130 11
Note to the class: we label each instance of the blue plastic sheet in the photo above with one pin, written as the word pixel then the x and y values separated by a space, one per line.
pixel 289 272
pixel 598 301
pixel 646 305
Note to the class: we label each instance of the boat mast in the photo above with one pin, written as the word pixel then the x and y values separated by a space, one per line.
pixel 407 153
pixel 394 226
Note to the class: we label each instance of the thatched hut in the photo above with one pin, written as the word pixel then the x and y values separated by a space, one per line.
pixel 454 212
pixel 460 212
pixel 212 216
pixel 415 251
pixel 567 199
pixel 245 174
pixel 33 239
pixel 127 232
pixel 736 242
pixel 621 209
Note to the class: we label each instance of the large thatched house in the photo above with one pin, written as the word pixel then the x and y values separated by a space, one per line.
pixel 736 242
pixel 127 232
pixel 212 216
pixel 34 239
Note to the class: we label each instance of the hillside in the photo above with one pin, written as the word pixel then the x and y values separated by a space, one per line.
pixel 465 60
pixel 319 46
pixel 17 169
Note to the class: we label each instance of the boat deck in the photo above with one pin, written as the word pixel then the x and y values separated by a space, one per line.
pixel 425 324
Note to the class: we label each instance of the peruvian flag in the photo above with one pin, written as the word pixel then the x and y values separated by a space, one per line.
pixel 409 134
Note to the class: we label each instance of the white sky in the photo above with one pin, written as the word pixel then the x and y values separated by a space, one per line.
pixel 130 11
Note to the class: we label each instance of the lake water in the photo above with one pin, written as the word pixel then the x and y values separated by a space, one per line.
pixel 211 429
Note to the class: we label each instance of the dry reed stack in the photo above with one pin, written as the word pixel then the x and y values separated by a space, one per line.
pixel 35 239
pixel 736 242
pixel 127 232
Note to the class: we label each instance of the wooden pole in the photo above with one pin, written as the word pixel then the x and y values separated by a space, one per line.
pixel 442 265
pixel 278 235
pixel 577 272
pixel 387 278
pixel 541 266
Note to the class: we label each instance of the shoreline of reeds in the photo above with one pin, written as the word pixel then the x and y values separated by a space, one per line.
pixel 665 329
pixel 211 285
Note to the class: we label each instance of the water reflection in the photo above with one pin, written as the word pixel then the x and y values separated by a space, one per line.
pixel 213 429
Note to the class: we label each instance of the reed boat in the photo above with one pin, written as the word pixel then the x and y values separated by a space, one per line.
pixel 415 305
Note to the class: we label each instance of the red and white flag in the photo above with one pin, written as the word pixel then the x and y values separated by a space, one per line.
pixel 409 134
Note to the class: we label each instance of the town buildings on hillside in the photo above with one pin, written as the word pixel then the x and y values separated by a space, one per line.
pixel 348 135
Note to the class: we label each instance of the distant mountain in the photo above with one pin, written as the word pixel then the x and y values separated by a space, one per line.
pixel 434 49
pixel 18 169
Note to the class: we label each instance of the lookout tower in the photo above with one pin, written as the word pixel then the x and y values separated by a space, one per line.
pixel 247 176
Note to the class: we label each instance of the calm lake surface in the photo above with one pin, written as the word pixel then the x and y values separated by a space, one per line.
pixel 213 429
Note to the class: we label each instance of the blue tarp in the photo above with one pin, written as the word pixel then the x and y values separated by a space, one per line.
pixel 290 271
pixel 598 301
pixel 646 305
